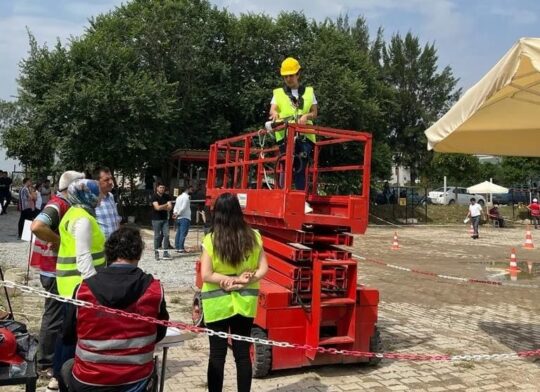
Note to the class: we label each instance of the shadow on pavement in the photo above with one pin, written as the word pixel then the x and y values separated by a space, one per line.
pixel 517 337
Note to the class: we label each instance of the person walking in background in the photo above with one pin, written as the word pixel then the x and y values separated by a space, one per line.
pixel 116 353
pixel 27 198
pixel 475 213
pixel 534 208
pixel 44 256
pixel 161 205
pixel 39 200
pixel 5 191
pixel 232 263
pixel 182 215
pixel 107 211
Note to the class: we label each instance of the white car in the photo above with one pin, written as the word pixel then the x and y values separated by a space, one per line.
pixel 454 195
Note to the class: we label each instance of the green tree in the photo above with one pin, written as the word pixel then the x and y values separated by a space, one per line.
pixel 459 169
pixel 520 171
pixel 30 135
pixel 421 95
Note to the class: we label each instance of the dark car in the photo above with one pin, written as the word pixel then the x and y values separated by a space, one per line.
pixel 514 196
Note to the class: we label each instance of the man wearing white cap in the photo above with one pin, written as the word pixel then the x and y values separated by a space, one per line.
pixel 44 255
pixel 534 207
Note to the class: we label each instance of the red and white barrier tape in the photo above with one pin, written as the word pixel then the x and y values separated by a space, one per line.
pixel 322 350
pixel 448 277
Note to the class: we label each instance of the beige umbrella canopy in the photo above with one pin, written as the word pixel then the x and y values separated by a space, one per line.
pixel 499 115
pixel 487 187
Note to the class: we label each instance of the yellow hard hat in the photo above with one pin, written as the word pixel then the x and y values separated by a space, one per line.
pixel 290 66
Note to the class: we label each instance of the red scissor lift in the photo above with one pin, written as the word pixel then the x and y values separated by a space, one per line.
pixel 310 294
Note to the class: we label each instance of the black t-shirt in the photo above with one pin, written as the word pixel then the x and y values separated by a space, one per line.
pixel 161 200
pixel 5 183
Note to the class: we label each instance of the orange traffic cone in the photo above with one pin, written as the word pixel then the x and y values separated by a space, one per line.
pixel 513 262
pixel 395 243
pixel 528 240
pixel 530 266
pixel 514 275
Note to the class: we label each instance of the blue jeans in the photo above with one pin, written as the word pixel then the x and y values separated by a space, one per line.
pixel 303 150
pixel 182 228
pixel 161 233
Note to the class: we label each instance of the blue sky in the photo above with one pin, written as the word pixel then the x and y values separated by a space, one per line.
pixel 470 35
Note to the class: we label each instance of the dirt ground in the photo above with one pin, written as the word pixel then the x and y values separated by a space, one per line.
pixel 417 314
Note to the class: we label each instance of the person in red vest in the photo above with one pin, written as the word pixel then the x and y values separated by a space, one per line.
pixel 43 257
pixel 534 207
pixel 114 353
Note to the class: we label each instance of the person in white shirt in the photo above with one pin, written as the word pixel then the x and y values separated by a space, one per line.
pixel 182 215
pixel 475 212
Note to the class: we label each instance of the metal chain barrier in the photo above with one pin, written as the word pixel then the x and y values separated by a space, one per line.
pixel 322 350
pixel 448 277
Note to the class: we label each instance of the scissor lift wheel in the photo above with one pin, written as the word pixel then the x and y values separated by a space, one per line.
pixel 261 355
pixel 197 311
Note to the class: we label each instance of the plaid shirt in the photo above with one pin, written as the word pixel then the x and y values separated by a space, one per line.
pixel 107 215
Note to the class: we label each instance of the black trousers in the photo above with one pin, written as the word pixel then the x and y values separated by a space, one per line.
pixel 218 351
pixel 5 198
pixel 27 214
pixel 51 324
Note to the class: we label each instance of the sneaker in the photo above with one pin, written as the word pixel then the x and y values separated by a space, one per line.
pixel 46 372
pixel 53 385
pixel 156 255
pixel 180 251
pixel 307 208
pixel 166 256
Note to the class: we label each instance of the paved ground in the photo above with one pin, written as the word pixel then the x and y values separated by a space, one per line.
pixel 417 314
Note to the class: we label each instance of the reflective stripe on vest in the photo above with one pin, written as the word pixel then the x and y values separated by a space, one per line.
pixel 73 259
pixel 67 274
pixel 118 344
pixel 221 293
pixel 134 359
pixel 42 256
pixel 286 109
pixel 219 304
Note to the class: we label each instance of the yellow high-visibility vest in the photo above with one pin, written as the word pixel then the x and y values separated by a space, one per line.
pixel 286 109
pixel 67 274
pixel 219 304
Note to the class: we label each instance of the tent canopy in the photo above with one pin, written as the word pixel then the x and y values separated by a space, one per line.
pixel 499 115
pixel 487 187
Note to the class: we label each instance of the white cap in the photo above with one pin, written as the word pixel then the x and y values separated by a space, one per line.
pixel 67 178
pixel 535 200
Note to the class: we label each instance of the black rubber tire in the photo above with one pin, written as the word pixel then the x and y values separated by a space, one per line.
pixel 375 346
pixel 261 355
pixel 451 202
pixel 197 316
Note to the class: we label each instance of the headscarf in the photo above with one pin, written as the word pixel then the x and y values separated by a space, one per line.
pixel 84 193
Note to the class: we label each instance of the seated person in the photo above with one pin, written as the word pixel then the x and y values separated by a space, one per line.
pixel 115 353
pixel 495 215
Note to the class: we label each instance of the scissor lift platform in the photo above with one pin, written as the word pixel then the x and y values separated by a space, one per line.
pixel 310 294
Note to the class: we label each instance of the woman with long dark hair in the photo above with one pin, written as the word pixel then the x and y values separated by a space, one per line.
pixel 232 263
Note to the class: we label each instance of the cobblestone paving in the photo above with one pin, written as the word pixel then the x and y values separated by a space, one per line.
pixel 417 315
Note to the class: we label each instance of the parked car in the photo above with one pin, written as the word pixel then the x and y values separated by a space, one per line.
pixel 15 197
pixel 514 196
pixel 454 195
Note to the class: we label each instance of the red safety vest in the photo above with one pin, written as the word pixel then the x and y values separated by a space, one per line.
pixel 42 257
pixel 114 350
